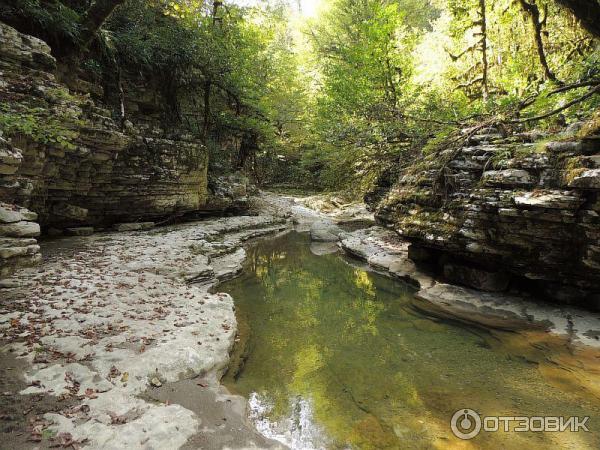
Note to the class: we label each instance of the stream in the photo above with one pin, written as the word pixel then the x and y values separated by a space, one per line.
pixel 331 355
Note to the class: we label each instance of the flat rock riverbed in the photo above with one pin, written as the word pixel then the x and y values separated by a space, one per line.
pixel 108 317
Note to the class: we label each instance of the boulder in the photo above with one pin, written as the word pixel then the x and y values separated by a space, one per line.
pixel 9 213
pixel 228 193
pixel 23 50
pixel 135 226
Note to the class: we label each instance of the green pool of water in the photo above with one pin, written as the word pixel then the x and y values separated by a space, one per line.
pixel 333 356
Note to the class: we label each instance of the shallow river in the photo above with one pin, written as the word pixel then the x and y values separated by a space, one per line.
pixel 334 356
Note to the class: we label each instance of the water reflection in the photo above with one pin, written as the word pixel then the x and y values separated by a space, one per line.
pixel 332 356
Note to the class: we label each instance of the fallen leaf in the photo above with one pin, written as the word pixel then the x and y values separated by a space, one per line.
pixel 90 393
pixel 116 419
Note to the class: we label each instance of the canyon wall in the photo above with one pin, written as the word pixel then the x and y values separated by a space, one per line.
pixel 65 163
pixel 504 211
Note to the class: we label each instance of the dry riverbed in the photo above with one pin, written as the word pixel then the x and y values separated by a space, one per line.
pixel 99 336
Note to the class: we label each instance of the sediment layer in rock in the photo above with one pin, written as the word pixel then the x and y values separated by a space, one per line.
pixel 64 156
pixel 503 211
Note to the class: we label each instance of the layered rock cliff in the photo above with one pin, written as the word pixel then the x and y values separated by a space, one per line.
pixel 66 163
pixel 504 210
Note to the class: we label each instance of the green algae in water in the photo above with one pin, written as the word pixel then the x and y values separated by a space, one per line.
pixel 335 357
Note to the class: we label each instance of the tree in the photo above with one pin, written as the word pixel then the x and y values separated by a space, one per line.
pixel 93 18
pixel 483 47
pixel 474 18
pixel 533 12
pixel 208 79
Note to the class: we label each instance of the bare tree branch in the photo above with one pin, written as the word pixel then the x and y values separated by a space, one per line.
pixel 584 97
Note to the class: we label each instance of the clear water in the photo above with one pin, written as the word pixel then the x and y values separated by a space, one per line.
pixel 333 356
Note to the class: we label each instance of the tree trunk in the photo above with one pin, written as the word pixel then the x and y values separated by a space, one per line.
pixel 121 97
pixel 391 88
pixel 248 149
pixel 208 80
pixel 215 11
pixel 207 89
pixel 587 12
pixel 483 24
pixel 93 19
pixel 90 23
pixel 533 12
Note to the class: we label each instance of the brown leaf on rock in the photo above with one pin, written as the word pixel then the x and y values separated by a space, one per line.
pixel 65 440
pixel 115 419
pixel 90 393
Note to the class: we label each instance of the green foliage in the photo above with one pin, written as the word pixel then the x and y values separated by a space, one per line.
pixel 54 21
pixel 399 78
pixel 37 124
pixel 328 102
pixel 93 67
pixel 364 50
pixel 243 60
pixel 143 37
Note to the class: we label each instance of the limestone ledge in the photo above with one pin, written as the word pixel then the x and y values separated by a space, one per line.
pixel 97 174
pixel 517 207
pixel 28 52
pixel 87 169
pixel 385 252
pixel 18 246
